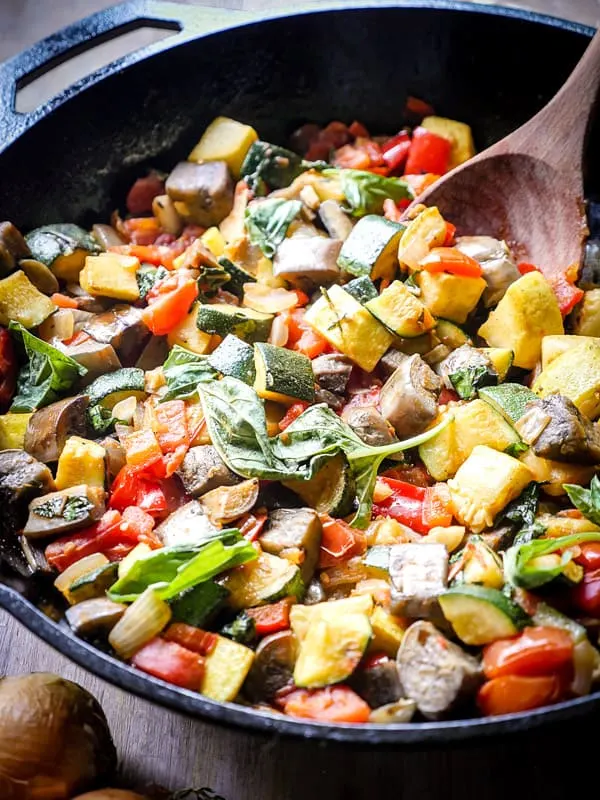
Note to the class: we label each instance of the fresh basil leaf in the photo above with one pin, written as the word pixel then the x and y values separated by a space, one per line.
pixel 147 276
pixel 317 431
pixel 269 166
pixel 210 280
pixel 467 380
pixel 101 419
pixel 267 222
pixel 522 569
pixel 76 507
pixel 51 508
pixel 173 570
pixel 366 192
pixel 516 448
pixel 46 375
pixel 586 500
pixel 183 371
pixel 242 629
pixel 365 472
pixel 529 533
pixel 522 510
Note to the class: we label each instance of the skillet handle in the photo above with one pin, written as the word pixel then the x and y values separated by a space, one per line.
pixel 186 23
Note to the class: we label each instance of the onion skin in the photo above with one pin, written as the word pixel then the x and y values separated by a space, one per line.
pixel 53 733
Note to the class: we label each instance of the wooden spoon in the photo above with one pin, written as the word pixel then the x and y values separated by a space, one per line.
pixel 528 187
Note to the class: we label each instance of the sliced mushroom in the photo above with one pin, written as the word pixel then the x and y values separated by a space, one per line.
pixel 307 260
pixel 334 401
pixel 337 224
pixel 295 533
pixel 273 667
pixel 94 616
pixel 205 190
pixel 332 372
pixel 227 503
pixel 369 425
pixel 390 361
pixel 434 672
pixel 556 429
pixel 49 428
pixel 123 328
pixel 13 247
pixel 497 263
pixel 203 470
pixel 98 358
pixel 188 525
pixel 409 397
pixel 60 512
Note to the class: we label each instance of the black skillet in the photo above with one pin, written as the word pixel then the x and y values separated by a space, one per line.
pixel 73 158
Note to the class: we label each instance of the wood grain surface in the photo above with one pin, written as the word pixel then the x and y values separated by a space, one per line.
pixel 163 747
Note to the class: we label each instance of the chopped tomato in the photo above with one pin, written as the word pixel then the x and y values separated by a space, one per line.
pixel 171 663
pixel 448 396
pixel 8 368
pixel 142 193
pixel 194 639
pixel 416 109
pixel 418 183
pixel 292 413
pixel 589 557
pixel 357 129
pixel 303 298
pixel 142 450
pixel 395 151
pixel 132 487
pixel 428 153
pixel 437 506
pixel 332 704
pixel 405 504
pixel 524 267
pixel 169 301
pixel 63 300
pixel 351 157
pixel 563 286
pixel 78 338
pixel 251 525
pixel 339 542
pixel 332 137
pixel 514 693
pixel 536 651
pixel 171 429
pixel 450 234
pixel 586 595
pixel 139 522
pixel 311 344
pixel 141 230
pixel 158 255
pixel 452 260
pixel 271 618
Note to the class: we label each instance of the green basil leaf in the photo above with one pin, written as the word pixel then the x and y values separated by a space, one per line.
pixel 366 192
pixel 183 371
pixel 467 380
pixel 516 448
pixel 365 474
pixel 267 222
pixel 242 629
pixel 520 568
pixel 268 166
pixel 522 510
pixel 46 375
pixel 147 276
pixel 586 500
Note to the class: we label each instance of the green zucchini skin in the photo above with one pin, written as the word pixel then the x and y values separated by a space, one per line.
pixel 53 241
pixel 362 289
pixel 222 319
pixel 235 358
pixel 283 375
pixel 238 276
pixel 127 379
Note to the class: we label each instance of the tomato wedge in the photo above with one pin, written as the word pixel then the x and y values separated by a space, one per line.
pixel 332 704
pixel 536 651
pixel 513 693
pixel 171 663
pixel 169 301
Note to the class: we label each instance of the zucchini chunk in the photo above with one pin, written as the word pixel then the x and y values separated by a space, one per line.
pixel 226 668
pixel 294 531
pixel 63 248
pixel 372 248
pixel 509 400
pixel 222 319
pixel 332 489
pixel 451 335
pixel 282 375
pixel 264 580
pixel 109 389
pixel 362 289
pixel 401 312
pixel 587 314
pixel 111 275
pixel 555 346
pixel 21 302
pixel 480 615
pixel 187 334
pixel 226 140
pixel 199 605
pixel 452 297
pixel 235 358
pixel 238 276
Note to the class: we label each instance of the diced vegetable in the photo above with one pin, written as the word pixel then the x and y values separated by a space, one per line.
pixel 108 390
pixel 12 431
pixel 426 231
pixel 428 153
pixel 142 621
pixel 264 580
pixel 234 357
pixel 574 374
pixel 480 615
pixel 63 248
pixel 81 461
pixel 170 662
pixel 222 319
pixel 111 275
pixel 401 312
pixel 459 134
pixel 227 503
pixel 371 249
pixel 226 669
pixel 331 491
pixel 282 375
pixel 21 302
pixel 187 334
pixel 509 400
pixel 362 289
pixel 226 140
pixel 452 297
pixel 332 704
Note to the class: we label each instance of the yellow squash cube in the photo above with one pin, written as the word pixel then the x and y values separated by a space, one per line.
pixel 81 461
pixel 111 275
pixel 226 669
pixel 225 140
pixel 459 133
pixel 214 240
pixel 12 431
pixel 576 375
pixel 486 482
pixel 349 327
pixel 451 297
pixel 21 302
pixel 187 334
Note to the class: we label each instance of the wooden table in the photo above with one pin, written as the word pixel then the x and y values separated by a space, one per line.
pixel 163 747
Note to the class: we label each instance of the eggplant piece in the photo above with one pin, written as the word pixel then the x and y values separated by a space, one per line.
pixel 401 711
pixel 22 478
pixel 205 190
pixel 434 672
pixel 98 358
pixel 409 397
pixel 227 503
pixel 114 458
pixel 49 428
pixel 337 224
pixel 38 273
pixel 203 470
pixel 466 369
pixel 58 513
pixel 13 247
pixel 94 616
pixel 334 401
pixel 154 354
pixel 123 328
pixel 497 263
pixel 294 533
pixel 307 261
pixel 559 431
pixel 188 525
pixel 379 684
pixel 369 425
pixel 273 667
pixel 419 573
pixel 390 361
pixel 332 372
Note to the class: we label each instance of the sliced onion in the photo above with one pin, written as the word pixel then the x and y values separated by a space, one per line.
pixel 280 332
pixel 60 325
pixel 144 619
pixel 77 570
pixel 125 409
pixel 267 300
pixel 532 424
pixel 107 236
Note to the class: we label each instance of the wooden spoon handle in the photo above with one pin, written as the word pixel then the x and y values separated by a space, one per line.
pixel 557 133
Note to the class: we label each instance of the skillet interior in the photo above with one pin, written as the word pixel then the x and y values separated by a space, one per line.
pixel 491 68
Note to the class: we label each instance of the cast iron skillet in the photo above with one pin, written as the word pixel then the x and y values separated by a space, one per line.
pixel 73 159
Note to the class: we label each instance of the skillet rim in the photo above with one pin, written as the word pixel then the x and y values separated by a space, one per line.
pixel 96 661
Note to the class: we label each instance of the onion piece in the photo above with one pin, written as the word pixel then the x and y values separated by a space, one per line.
pixel 532 424
pixel 77 570
pixel 268 300
pixel 585 662
pixel 280 332
pixel 125 409
pixel 60 325
pixel 227 503
pixel 107 236
pixel 144 619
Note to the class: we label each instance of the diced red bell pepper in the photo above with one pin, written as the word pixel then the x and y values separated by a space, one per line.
pixel 332 704
pixel 251 525
pixel 339 542
pixel 563 286
pixel 428 153
pixel 141 230
pixel 171 429
pixel 357 129
pixel 405 504
pixel 303 338
pixel 171 663
pixel 194 639
pixel 524 267
pixel 416 109
pixel 451 260
pixel 416 474
pixel 8 368
pixel 351 157
pixel 437 506
pixel 63 300
pixel 169 301
pixel 292 413
pixel 450 234
pixel 448 396
pixel 395 151
pixel 271 618
pixel 142 450
pixel 132 487
pixel 142 193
